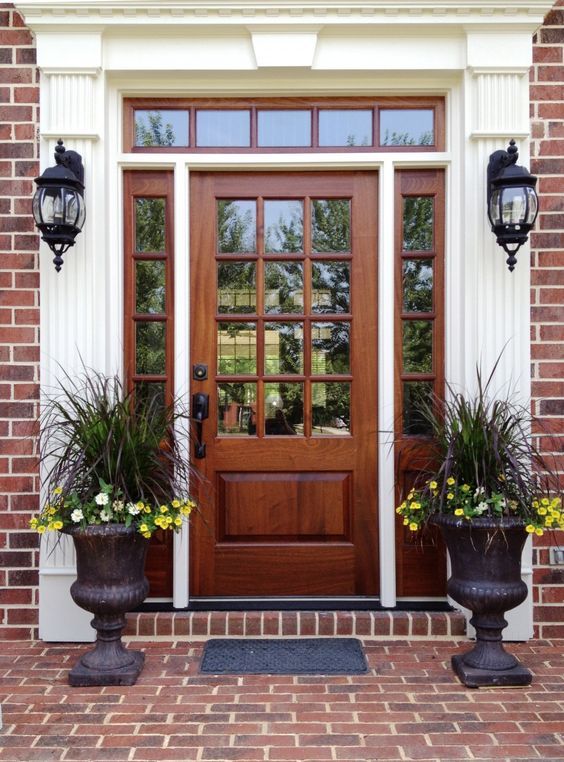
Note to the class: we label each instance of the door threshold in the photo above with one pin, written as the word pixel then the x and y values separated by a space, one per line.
pixel 349 603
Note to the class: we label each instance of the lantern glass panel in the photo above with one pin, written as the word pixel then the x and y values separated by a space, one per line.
pixel 495 215
pixel 513 206
pixel 533 205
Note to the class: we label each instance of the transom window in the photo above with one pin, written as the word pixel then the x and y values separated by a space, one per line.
pixel 337 124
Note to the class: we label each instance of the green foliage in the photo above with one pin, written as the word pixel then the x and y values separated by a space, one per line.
pixel 155 133
pixel 93 433
pixel 486 463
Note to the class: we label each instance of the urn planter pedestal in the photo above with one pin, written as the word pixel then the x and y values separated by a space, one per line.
pixel 485 557
pixel 110 565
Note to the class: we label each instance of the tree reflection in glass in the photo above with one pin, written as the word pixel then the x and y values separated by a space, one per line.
pixel 331 225
pixel 150 224
pixel 417 285
pixel 283 348
pixel 416 394
pixel 150 287
pixel 417 346
pixel 330 349
pixel 331 404
pixel 330 287
pixel 283 287
pixel 284 226
pixel 150 348
pixel 418 221
pixel 236 227
pixel 236 288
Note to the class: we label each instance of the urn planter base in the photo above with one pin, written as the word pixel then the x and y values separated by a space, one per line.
pixel 473 677
pixel 82 676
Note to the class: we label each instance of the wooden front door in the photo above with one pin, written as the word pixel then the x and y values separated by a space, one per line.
pixel 283 329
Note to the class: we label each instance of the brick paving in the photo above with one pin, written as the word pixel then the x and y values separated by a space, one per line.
pixel 409 707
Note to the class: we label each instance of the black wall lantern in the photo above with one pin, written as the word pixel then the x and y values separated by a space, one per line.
pixel 512 201
pixel 58 203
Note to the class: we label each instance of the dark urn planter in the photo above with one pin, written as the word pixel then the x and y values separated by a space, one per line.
pixel 485 557
pixel 110 565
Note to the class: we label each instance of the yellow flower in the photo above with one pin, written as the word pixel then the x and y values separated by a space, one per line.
pixel 405 522
pixel 186 510
pixel 178 521
pixel 163 509
pixel 459 512
pixel 466 488
pixel 33 523
pixel 140 505
pixel 143 528
pixel 542 511
pixel 415 506
pixel 545 501
pixel 450 496
pixel 539 531
pixel 57 525
pixel 57 490
pixel 176 503
pixel 191 504
pixel 433 485
pixel 41 529
pixel 399 509
pixel 413 527
pixel 450 481
pixel 168 520
pixel 411 494
pixel 529 528
pixel 51 511
pixel 147 509
pixel 146 534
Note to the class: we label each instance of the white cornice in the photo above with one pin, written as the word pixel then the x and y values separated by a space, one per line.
pixel 144 12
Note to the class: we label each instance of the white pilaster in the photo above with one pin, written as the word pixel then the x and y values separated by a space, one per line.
pixel 73 309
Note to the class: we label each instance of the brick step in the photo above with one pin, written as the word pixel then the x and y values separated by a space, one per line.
pixel 366 624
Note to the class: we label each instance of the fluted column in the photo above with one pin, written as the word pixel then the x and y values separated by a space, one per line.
pixel 492 304
pixel 73 302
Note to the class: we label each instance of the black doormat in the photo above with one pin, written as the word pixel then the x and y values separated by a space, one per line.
pixel 284 656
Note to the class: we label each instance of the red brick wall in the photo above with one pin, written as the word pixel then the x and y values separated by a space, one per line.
pixel 547 293
pixel 19 331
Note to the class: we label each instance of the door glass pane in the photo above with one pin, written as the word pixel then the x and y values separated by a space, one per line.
pixel 236 226
pixel 283 409
pixel 330 287
pixel 417 346
pixel 330 348
pixel 149 224
pixel 150 346
pixel 331 408
pixel 236 409
pixel 417 285
pixel 331 225
pixel 283 287
pixel 223 128
pixel 150 392
pixel 236 288
pixel 284 128
pixel 236 348
pixel 345 127
pixel 284 226
pixel 418 223
pixel 416 394
pixel 407 127
pixel 161 127
pixel 283 348
pixel 150 287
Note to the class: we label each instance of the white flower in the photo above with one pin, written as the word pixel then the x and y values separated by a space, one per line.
pixel 105 515
pixel 479 491
pixel 133 509
pixel 102 499
pixel 117 505
pixel 77 515
pixel 481 507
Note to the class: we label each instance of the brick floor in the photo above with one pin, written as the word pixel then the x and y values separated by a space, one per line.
pixel 409 707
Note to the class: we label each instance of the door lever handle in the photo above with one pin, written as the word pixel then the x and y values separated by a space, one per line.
pixel 200 411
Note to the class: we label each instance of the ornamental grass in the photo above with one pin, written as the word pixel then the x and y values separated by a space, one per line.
pixel 108 457
pixel 485 464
